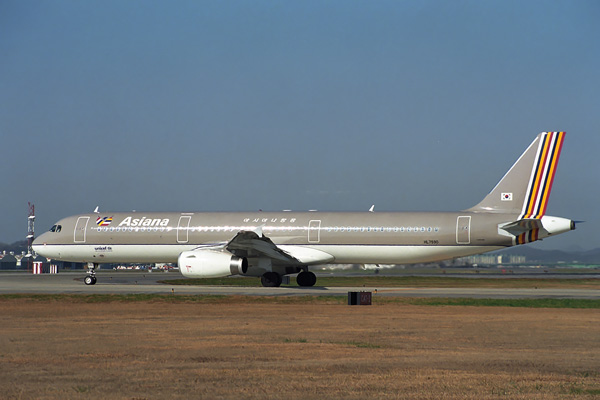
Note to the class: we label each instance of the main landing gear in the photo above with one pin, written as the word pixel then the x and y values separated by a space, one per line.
pixel 273 279
pixel 90 279
pixel 306 278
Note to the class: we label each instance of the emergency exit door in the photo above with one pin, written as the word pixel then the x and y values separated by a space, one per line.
pixel 183 228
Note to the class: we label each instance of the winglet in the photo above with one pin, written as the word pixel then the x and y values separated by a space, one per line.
pixel 372 209
pixel 259 230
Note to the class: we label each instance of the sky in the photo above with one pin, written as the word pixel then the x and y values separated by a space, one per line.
pixel 272 105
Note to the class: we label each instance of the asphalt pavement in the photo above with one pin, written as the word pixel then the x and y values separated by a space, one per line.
pixel 126 282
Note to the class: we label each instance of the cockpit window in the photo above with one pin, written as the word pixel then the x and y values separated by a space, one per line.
pixel 55 228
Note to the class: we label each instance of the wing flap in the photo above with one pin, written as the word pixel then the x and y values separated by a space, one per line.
pixel 308 255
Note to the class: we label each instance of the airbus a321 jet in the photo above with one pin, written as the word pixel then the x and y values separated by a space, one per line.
pixel 271 245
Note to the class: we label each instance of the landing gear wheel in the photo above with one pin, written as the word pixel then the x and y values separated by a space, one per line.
pixel 89 280
pixel 271 279
pixel 306 278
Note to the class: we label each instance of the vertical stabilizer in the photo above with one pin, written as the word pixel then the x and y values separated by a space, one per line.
pixel 525 188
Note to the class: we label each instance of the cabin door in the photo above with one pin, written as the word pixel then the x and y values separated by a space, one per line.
pixel 80 229
pixel 463 230
pixel 314 231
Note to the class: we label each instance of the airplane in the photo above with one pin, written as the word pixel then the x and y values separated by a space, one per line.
pixel 271 245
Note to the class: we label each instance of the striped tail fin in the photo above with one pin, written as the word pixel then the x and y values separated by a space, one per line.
pixel 542 176
pixel 525 188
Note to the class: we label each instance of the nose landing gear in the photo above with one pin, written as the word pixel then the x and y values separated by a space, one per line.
pixel 90 279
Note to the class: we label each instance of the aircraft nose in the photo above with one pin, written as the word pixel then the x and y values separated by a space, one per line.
pixel 39 243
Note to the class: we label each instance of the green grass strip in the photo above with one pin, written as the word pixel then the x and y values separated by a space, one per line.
pixel 324 300
pixel 406 281
pixel 523 303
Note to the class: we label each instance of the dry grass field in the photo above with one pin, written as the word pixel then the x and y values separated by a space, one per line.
pixel 236 349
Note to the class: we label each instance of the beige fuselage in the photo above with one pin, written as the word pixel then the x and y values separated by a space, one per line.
pixel 349 237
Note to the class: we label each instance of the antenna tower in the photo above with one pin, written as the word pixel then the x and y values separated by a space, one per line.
pixel 30 230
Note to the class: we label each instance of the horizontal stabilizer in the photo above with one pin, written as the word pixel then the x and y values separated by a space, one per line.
pixel 527 230
pixel 523 225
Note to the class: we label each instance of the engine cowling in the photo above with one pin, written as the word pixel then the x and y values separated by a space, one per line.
pixel 211 264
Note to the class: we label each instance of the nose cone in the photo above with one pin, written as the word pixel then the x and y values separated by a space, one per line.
pixel 42 239
pixel 37 242
pixel 39 245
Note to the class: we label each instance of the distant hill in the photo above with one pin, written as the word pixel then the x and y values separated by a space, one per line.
pixel 591 257
pixel 16 247
pixel 533 254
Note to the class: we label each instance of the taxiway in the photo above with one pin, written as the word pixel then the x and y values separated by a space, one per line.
pixel 110 282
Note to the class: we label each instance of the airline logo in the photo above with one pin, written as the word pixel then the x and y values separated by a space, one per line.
pixel 145 222
pixel 103 221
pixel 542 175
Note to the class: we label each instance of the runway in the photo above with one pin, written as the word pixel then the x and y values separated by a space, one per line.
pixel 110 282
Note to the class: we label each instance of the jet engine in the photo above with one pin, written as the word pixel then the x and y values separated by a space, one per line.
pixel 211 264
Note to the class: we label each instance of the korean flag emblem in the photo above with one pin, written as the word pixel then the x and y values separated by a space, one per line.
pixel 506 197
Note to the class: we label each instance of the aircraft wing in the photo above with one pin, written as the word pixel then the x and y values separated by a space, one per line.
pixel 254 245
